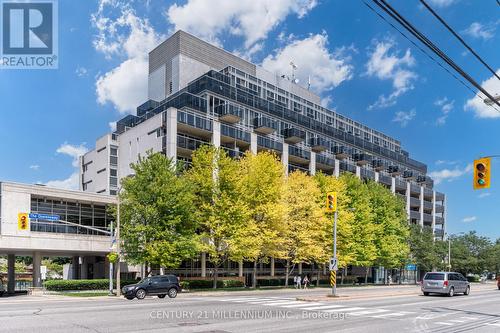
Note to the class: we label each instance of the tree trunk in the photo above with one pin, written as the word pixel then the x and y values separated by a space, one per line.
pixel 342 275
pixel 366 275
pixel 400 274
pixel 216 272
pixel 318 275
pixel 287 272
pixel 254 274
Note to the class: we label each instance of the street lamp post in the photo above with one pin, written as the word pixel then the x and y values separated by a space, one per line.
pixel 111 263
pixel 334 288
pixel 118 247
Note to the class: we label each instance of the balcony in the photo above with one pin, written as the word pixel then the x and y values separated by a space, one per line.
pixel 428 193
pixel 229 113
pixel 385 179
pixel 414 215
pixel 318 144
pixel 294 135
pixel 378 165
pixel 438 232
pixel 409 175
pixel 427 205
pixel 439 220
pixel 439 209
pixel 367 174
pixel 414 202
pixel 324 160
pixel 341 152
pixel 415 189
pixel 439 196
pixel 233 153
pixel 421 179
pixel 427 217
pixel 362 158
pixel 264 125
pixel 400 184
pixel 269 144
pixel 394 170
pixel 189 144
pixel 300 155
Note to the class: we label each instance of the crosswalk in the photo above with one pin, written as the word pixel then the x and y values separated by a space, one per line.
pixel 327 307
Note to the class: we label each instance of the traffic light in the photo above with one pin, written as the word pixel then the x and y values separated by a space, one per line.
pixel 331 202
pixel 22 221
pixel 482 173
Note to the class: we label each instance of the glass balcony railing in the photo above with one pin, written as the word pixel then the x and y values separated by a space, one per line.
pixel 264 125
pixel 229 113
pixel 294 135
pixel 318 144
pixel 270 144
pixel 325 160
pixel 414 215
pixel 234 133
pixel 189 143
pixel 194 121
pixel 300 153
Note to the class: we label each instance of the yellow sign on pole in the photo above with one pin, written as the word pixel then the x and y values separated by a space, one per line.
pixel 331 202
pixel 23 222
pixel 482 173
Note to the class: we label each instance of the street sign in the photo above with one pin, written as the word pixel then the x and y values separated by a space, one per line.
pixel 333 264
pixel 411 267
pixel 47 217
pixel 43 272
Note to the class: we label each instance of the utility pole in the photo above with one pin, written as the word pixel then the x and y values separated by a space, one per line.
pixel 334 288
pixel 331 207
pixel 118 247
pixel 111 263
pixel 449 254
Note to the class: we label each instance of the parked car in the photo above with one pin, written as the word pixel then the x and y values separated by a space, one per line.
pixel 449 283
pixel 159 285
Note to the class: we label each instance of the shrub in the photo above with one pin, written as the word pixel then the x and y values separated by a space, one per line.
pixel 97 284
pixel 207 284
pixel 473 278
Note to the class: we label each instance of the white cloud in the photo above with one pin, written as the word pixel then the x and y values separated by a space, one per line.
pixel 484 195
pixel 441 162
pixel 441 3
pixel 478 30
pixel 250 19
pixel 403 118
pixel 325 69
pixel 81 71
pixel 476 104
pixel 387 65
pixel 72 182
pixel 73 151
pixel 34 167
pixel 446 107
pixel 132 37
pixel 449 174
pixel 469 219
pixel 112 126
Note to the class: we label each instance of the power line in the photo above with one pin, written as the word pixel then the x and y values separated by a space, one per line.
pixel 424 40
pixel 458 37
pixel 475 93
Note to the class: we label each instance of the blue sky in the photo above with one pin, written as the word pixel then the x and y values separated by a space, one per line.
pixel 357 63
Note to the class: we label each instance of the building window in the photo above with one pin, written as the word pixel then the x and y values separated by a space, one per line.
pixel 113 172
pixel 113 151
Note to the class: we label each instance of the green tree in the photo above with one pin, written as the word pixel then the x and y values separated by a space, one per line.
pixel 426 252
pixel 304 222
pixel 470 253
pixel 364 229
pixel 392 232
pixel 221 213
pixel 157 215
pixel 262 181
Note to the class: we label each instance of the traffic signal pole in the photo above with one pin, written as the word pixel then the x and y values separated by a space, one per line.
pixel 334 287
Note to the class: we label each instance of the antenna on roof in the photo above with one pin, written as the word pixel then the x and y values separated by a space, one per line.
pixel 308 82
pixel 294 67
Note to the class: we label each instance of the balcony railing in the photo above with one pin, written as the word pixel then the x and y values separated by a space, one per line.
pixel 439 209
pixel 229 113
pixel 295 167
pixel 234 133
pixel 318 144
pixel 362 159
pixel 297 152
pixel 325 160
pixel 385 179
pixel 414 214
pixel 438 232
pixel 194 121
pixel 189 143
pixel 427 205
pixel 427 217
pixel 367 174
pixel 341 152
pixel 269 144
pixel 378 165
pixel 414 202
pixel 294 135
pixel 264 125
pixel 439 220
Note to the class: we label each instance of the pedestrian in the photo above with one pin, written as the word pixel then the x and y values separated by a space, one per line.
pixel 299 282
pixel 306 281
pixel 390 279
pixel 295 281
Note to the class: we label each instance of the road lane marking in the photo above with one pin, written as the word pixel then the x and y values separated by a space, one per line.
pixel 497 324
pixel 305 305
pixel 457 321
pixel 444 323
pixel 345 309
pixel 469 318
pixel 393 314
pixel 325 307
pixel 366 312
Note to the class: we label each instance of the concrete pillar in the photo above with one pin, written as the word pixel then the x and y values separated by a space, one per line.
pixel 300 268
pixel 433 211
pixel 377 176
pixel 336 171
pixel 421 205
pixel 203 264
pixel 284 157
pixel 84 268
pixel 216 134
pixel 408 190
pixel 75 267
pixel 393 185
pixel 11 273
pixel 253 143
pixel 324 269
pixel 272 266
pixel 37 262
pixel 240 268
pixel 312 164
pixel 358 171
pixel 172 133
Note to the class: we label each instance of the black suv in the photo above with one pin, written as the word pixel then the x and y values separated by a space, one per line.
pixel 160 285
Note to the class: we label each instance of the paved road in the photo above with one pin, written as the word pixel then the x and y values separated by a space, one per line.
pixel 376 309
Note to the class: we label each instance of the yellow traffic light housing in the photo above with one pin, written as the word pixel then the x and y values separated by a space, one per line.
pixel 22 221
pixel 482 173
pixel 331 202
